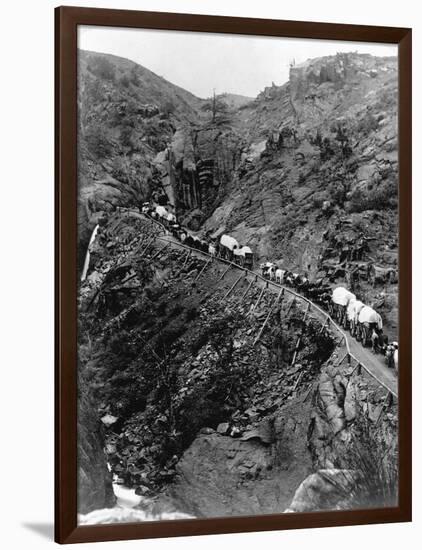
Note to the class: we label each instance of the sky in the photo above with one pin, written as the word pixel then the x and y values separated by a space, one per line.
pixel 202 62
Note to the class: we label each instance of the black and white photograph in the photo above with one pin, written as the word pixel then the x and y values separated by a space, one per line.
pixel 238 340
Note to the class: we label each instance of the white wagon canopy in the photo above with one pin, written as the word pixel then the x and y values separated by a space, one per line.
pixel 342 296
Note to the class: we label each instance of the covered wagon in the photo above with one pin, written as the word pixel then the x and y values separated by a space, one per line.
pixel 352 313
pixel 227 246
pixel 243 256
pixel 340 300
pixel 368 321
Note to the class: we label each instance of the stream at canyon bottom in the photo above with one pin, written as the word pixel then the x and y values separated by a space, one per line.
pixel 129 508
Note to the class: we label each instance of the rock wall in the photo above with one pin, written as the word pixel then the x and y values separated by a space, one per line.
pixel 95 489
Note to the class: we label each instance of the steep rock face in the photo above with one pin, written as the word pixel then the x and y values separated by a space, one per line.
pixel 316 187
pixel 95 489
pixel 219 475
pixel 127 115
pixel 204 157
pixel 352 437
pixel 324 490
pixel 342 401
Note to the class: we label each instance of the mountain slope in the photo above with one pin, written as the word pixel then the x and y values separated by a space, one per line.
pixel 306 173
pixel 315 182
pixel 127 114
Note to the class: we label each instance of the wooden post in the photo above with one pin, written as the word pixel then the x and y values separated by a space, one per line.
pixel 290 306
pixel 146 248
pixel 267 318
pixel 202 270
pixel 326 323
pixel 160 251
pixel 355 368
pixel 247 290
pixel 299 378
pixel 184 263
pixel 296 350
pixel 222 276
pixel 140 244
pixel 300 336
pixel 233 285
pixel 306 312
pixel 342 359
pixel 259 299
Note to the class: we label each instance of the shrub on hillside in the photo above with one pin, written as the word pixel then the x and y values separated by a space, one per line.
pixel 126 137
pixel 367 124
pixel 98 141
pixel 125 81
pixel 380 197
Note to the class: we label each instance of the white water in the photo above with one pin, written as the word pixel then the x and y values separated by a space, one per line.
pixel 125 510
pixel 88 255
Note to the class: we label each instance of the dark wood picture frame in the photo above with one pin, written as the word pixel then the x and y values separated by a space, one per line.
pixel 67 20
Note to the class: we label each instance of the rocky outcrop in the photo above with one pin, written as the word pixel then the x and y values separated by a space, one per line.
pixel 95 489
pixel 352 439
pixel 221 475
pixel 127 117
pixel 324 490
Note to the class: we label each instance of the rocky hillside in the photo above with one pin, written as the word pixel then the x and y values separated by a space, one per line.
pixel 195 415
pixel 127 116
pixel 316 185
pixel 94 479
pixel 306 173
pixel 192 414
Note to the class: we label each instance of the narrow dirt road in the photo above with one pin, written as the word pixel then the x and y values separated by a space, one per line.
pixel 373 364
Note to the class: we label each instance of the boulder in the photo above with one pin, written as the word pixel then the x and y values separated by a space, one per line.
pixel 327 489
pixel 223 428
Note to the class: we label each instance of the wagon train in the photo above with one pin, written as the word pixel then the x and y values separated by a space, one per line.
pixel 363 322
